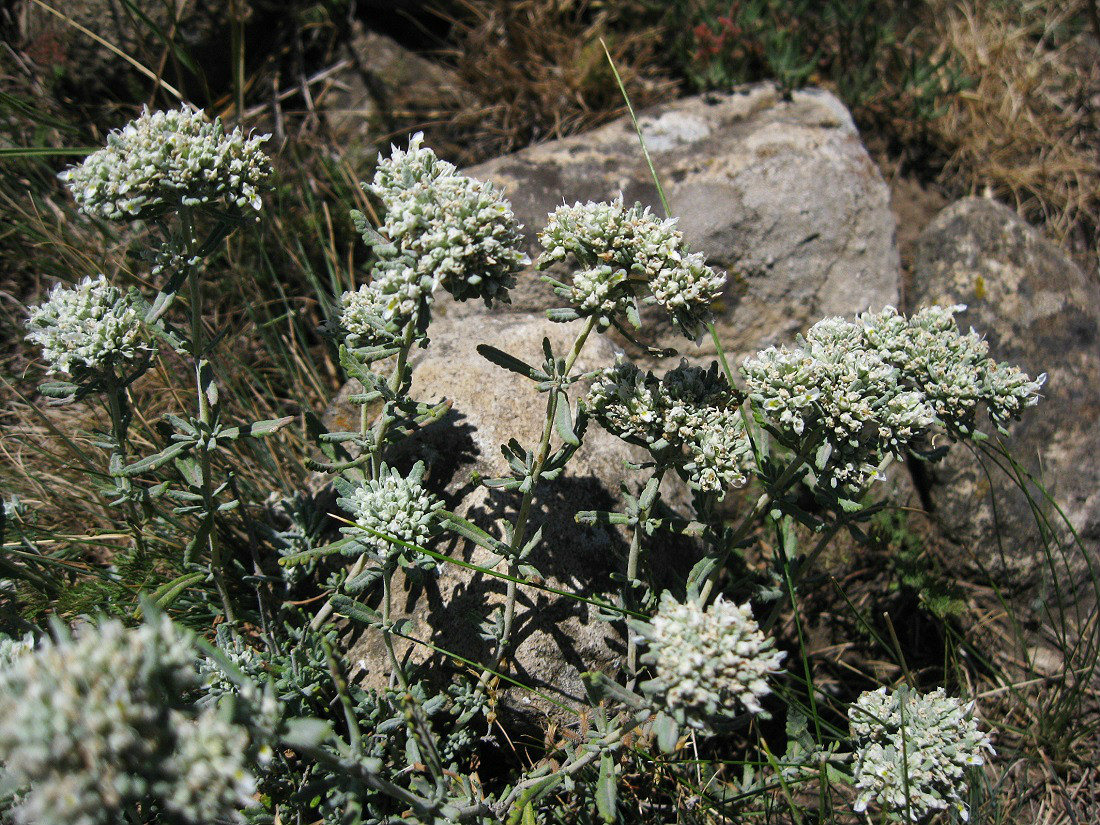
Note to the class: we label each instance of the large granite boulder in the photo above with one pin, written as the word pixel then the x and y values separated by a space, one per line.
pixel 555 638
pixel 780 193
pixel 1038 310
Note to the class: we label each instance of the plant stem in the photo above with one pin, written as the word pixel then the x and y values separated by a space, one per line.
pixel 747 522
pixel 397 379
pixel 202 375
pixel 519 527
pixel 632 562
pixel 118 458
pixel 418 723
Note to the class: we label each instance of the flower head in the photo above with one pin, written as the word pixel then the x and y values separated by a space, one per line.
pixel 627 254
pixel 913 752
pixel 165 160
pixel 837 385
pixel 92 726
pixel 90 330
pixel 691 410
pixel 953 370
pixel 396 506
pixel 707 662
pixel 443 230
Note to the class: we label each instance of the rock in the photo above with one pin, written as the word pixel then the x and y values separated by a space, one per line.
pixel 1039 311
pixel 385 87
pixel 782 194
pixel 556 638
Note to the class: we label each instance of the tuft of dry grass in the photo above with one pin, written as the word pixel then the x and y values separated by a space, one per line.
pixel 1028 131
pixel 540 71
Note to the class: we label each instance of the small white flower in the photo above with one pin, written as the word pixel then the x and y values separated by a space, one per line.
pixel 691 409
pixel 444 230
pixel 837 384
pixel 92 329
pixel 708 663
pixel 913 752
pixel 953 370
pixel 164 160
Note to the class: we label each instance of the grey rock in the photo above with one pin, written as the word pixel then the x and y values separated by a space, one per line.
pixel 1039 311
pixel 555 638
pixel 781 194
pixel 383 87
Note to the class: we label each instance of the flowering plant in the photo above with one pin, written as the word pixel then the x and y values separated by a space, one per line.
pixel 269 721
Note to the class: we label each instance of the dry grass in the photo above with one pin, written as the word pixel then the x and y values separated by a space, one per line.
pixel 541 73
pixel 1029 129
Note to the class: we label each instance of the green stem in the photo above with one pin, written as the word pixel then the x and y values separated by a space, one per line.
pixel 418 723
pixel 766 498
pixel 118 459
pixel 632 563
pixel 519 527
pixel 397 379
pixel 205 416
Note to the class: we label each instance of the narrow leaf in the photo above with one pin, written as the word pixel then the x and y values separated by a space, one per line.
pixel 157 460
pixel 563 421
pixel 356 611
pixel 510 362
pixel 605 788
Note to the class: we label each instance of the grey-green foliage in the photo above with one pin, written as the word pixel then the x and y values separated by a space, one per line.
pixel 96 725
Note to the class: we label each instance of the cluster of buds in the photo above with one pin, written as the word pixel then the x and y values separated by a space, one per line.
pixel 709 663
pixel 691 411
pixel 92 330
pixel 836 387
pixel 93 726
pixel 913 752
pixel 440 229
pixel 163 161
pixel 952 370
pixel 395 506
pixel 627 254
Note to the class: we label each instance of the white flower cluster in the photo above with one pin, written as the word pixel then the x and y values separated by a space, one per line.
pixel 872 387
pixel 913 751
pixel 705 661
pixel 90 329
pixel 954 371
pixel 691 409
pixel 11 649
pixel 165 160
pixel 836 384
pixel 92 726
pixel 393 505
pixel 444 230
pixel 625 252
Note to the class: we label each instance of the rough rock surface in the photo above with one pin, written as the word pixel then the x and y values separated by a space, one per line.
pixel 556 638
pixel 1038 310
pixel 385 85
pixel 781 194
